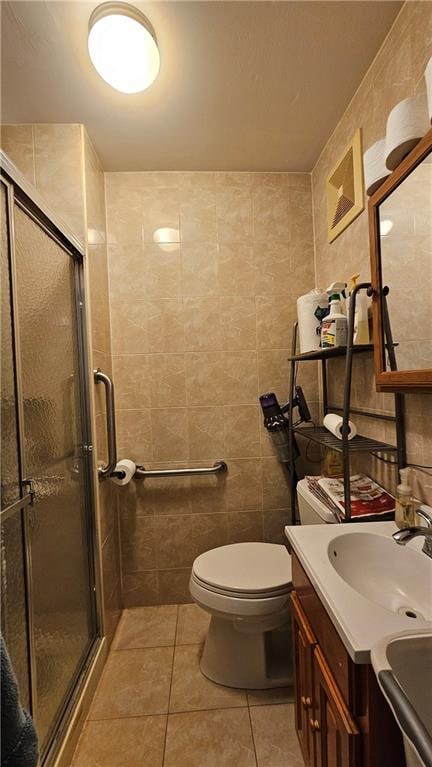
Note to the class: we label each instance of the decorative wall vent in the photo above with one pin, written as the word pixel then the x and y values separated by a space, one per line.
pixel 345 189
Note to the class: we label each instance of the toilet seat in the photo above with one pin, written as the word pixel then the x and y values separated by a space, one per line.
pixel 245 571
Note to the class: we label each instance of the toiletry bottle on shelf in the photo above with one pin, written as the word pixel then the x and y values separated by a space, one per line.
pixel 332 464
pixel 334 327
pixel 404 512
pixel 361 320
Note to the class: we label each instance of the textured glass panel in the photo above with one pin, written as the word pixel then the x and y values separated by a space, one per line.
pixel 53 459
pixel 13 602
pixel 10 488
pixel 13 592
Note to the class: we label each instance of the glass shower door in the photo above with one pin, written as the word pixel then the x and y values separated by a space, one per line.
pixel 54 459
pixel 14 613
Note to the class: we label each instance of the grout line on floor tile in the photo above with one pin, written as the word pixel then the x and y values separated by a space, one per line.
pixel 253 736
pixel 169 694
pixel 166 713
pixel 126 716
pixel 146 647
pixel 202 710
pixel 271 703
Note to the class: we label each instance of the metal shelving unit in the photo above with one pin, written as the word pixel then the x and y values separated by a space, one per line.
pixel 319 434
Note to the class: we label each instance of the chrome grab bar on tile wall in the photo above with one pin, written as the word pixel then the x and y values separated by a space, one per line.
pixel 219 467
pixel 107 470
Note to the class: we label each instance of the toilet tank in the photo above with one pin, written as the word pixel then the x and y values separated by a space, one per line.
pixel 312 511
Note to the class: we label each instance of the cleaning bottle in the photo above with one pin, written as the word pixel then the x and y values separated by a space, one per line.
pixel 334 327
pixel 404 512
pixel 361 320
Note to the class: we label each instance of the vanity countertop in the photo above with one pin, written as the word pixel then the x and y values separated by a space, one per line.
pixel 360 621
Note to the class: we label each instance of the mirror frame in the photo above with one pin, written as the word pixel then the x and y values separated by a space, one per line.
pixel 386 380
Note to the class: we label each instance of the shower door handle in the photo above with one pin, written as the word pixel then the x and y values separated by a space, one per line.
pixel 100 377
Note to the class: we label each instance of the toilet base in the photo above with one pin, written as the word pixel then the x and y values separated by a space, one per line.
pixel 256 660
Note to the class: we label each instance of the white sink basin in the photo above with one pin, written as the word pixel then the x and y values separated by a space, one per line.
pixel 370 587
pixel 394 577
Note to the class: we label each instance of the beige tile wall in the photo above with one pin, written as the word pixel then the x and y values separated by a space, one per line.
pixel 201 324
pixel 396 73
pixel 50 157
pixel 61 163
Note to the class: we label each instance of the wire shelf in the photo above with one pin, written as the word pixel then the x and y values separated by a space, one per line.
pixel 358 444
pixel 328 353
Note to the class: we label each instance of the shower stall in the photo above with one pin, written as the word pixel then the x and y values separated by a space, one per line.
pixel 50 605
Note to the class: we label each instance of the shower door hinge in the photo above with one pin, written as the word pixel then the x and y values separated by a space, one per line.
pixel 29 484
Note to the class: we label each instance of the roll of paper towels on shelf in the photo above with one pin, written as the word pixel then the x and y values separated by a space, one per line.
pixel 428 78
pixel 375 170
pixel 128 468
pixel 333 423
pixel 308 322
pixel 407 123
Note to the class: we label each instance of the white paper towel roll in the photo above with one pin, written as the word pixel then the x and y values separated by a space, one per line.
pixel 308 323
pixel 129 469
pixel 428 78
pixel 407 123
pixel 375 170
pixel 333 423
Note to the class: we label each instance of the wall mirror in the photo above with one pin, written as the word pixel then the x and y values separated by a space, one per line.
pixel 400 223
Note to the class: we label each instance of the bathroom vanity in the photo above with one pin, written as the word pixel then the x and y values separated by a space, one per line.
pixel 341 713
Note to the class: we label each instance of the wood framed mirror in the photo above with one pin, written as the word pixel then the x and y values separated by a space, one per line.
pixel 400 228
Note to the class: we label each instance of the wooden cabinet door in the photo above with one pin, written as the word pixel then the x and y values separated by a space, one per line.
pixel 303 645
pixel 337 737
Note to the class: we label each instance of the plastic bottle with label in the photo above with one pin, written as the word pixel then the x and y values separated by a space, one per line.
pixel 334 327
pixel 405 508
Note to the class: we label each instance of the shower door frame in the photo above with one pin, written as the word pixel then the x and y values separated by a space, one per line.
pixel 20 192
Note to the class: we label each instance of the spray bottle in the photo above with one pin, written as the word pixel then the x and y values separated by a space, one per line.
pixel 334 327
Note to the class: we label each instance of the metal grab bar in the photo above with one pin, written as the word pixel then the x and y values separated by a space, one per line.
pixel 220 467
pixel 99 377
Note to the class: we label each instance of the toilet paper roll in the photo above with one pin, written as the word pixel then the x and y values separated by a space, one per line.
pixel 428 78
pixel 375 170
pixel 128 468
pixel 333 423
pixel 407 123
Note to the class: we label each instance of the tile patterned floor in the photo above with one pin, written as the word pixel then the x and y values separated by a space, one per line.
pixel 154 708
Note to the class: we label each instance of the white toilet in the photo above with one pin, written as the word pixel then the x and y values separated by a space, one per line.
pixel 246 587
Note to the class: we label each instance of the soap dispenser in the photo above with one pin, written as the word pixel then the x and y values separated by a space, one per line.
pixel 404 513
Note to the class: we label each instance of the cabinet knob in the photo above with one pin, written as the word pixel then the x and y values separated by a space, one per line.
pixel 314 725
pixel 306 702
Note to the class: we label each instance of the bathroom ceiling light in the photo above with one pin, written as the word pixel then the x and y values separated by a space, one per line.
pixel 122 46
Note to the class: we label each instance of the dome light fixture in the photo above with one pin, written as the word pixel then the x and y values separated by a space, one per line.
pixel 122 47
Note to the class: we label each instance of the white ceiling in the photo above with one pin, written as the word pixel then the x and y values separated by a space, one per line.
pixel 242 86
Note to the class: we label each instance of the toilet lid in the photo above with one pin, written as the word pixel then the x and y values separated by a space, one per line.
pixel 245 567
